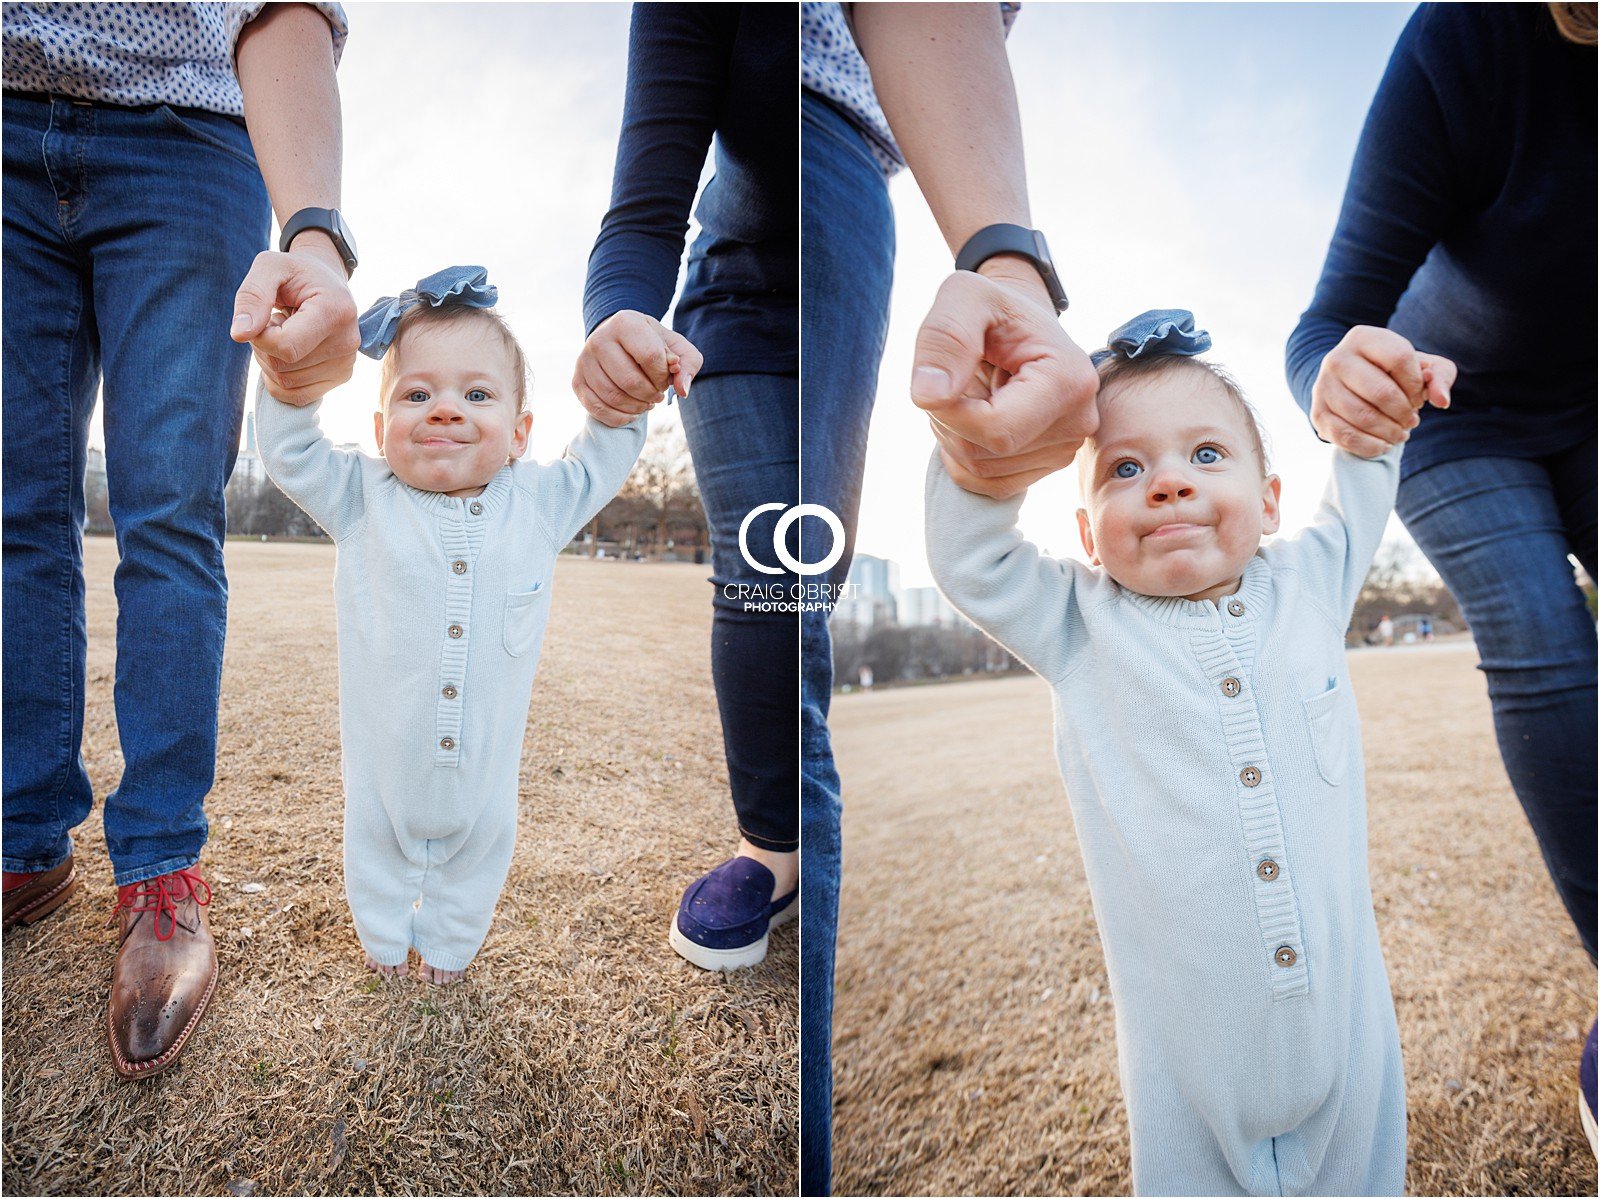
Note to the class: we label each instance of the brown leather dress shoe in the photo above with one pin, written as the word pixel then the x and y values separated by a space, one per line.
pixel 42 894
pixel 166 970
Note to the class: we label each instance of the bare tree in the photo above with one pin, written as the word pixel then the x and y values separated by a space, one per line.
pixel 659 505
pixel 256 508
pixel 1401 581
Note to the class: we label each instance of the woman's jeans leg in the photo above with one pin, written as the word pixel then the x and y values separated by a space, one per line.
pixel 104 260
pixel 743 433
pixel 1499 530
pixel 847 261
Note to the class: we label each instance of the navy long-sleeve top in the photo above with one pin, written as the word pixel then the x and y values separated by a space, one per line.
pixel 694 71
pixel 1468 227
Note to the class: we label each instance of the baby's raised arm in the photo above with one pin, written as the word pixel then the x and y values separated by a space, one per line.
pixel 593 468
pixel 324 481
pixel 1332 554
pixel 1002 583
pixel 1365 401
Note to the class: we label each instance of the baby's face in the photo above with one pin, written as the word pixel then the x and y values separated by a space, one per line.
pixel 1176 502
pixel 450 419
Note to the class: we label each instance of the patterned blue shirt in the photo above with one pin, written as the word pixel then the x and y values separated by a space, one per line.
pixel 177 54
pixel 832 67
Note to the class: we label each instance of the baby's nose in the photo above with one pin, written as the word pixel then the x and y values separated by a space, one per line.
pixel 445 412
pixel 1166 486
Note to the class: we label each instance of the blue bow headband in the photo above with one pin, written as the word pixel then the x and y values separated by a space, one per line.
pixel 465 285
pixel 1159 332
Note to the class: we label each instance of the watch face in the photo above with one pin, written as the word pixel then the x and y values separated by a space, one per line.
pixel 1047 271
pixel 343 232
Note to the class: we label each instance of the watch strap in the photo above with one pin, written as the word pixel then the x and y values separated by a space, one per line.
pixel 1025 243
pixel 328 221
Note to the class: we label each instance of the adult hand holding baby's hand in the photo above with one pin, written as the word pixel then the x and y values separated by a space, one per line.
pixel 1370 388
pixel 627 362
pixel 298 315
pixel 1010 396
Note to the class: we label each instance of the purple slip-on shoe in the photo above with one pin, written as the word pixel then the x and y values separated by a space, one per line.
pixel 724 917
pixel 783 910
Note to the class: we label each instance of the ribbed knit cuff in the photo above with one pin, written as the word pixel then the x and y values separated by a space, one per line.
pixel 445 961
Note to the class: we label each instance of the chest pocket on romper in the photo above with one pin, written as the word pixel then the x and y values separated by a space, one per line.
pixel 527 612
pixel 1330 733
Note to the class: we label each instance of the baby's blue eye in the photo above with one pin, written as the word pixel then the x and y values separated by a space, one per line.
pixel 477 395
pixel 417 397
pixel 1125 470
pixel 1207 455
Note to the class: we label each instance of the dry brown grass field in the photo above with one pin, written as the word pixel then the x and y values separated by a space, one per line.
pixel 580 1056
pixel 973 1024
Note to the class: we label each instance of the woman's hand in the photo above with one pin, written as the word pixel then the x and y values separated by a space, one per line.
pixel 1370 388
pixel 627 363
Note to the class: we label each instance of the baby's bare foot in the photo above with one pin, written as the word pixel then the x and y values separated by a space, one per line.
pixel 385 971
pixel 439 978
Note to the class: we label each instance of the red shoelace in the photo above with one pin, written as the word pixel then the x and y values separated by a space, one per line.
pixel 163 894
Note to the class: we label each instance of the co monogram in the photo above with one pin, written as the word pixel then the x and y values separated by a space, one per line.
pixel 781 528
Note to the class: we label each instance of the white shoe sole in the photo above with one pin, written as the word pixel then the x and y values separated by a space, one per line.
pixel 744 956
pixel 1588 1123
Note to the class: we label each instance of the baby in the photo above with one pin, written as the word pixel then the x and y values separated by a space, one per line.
pixel 446 548
pixel 1209 741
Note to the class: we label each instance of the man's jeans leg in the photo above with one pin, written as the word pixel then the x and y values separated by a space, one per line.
pixel 743 433
pixel 126 183
pixel 847 261
pixel 1499 530
pixel 51 365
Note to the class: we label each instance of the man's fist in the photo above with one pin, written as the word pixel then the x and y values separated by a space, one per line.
pixel 1010 395
pixel 298 315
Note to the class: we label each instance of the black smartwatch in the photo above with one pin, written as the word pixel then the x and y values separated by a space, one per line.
pixel 1024 243
pixel 330 222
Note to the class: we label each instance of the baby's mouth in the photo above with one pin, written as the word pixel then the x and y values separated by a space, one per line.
pixel 1174 529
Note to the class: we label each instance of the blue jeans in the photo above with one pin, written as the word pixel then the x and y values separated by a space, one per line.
pixel 743 434
pixel 127 231
pixel 1499 530
pixel 847 261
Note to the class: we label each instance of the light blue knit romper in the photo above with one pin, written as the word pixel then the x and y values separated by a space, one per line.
pixel 1212 758
pixel 441 606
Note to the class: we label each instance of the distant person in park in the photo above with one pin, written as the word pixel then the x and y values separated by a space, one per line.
pixel 1468 231
pixel 1385 630
pixel 924 87
pixel 701 75
pixel 447 544
pixel 1226 853
pixel 142 146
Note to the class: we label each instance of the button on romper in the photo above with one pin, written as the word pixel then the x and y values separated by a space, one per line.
pixel 1212 758
pixel 441 606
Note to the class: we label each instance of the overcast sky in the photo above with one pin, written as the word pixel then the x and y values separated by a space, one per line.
pixel 1188 156
pixel 1179 156
pixel 481 133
